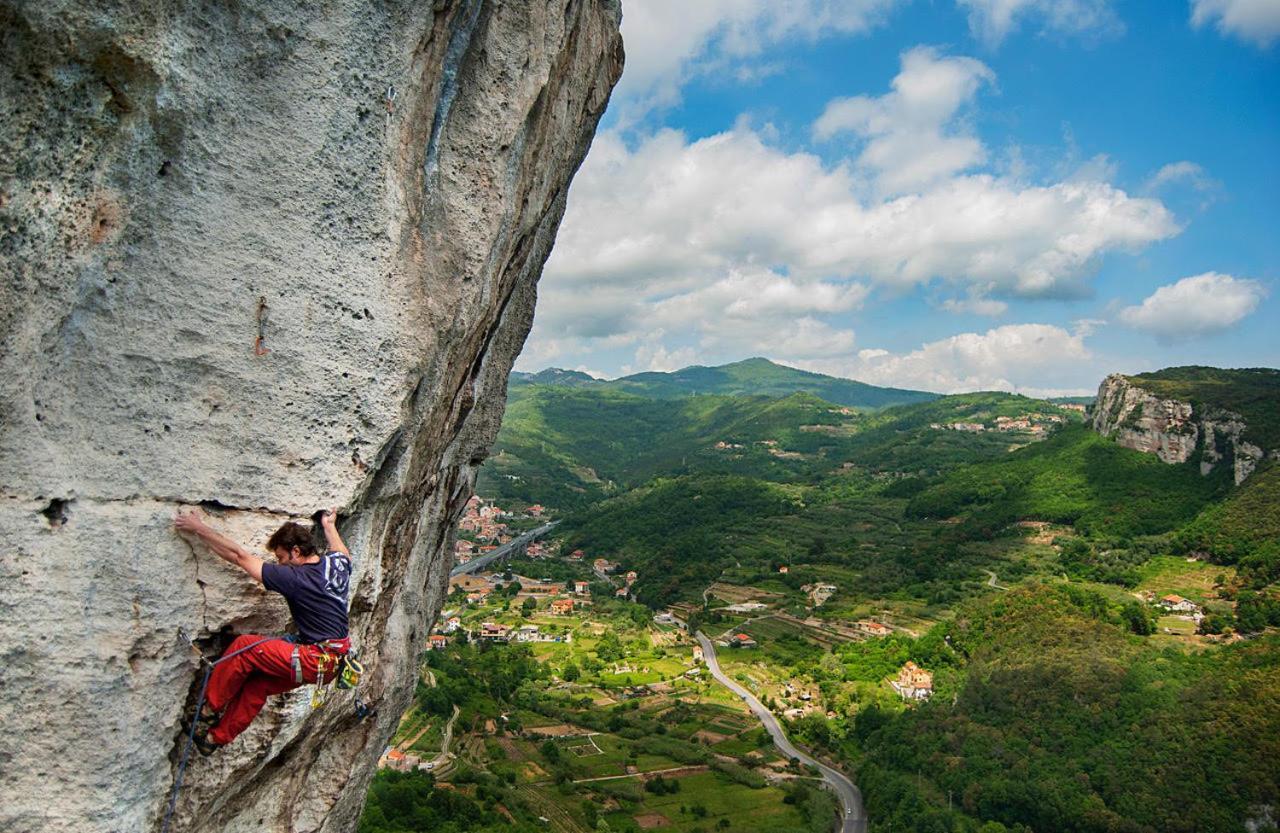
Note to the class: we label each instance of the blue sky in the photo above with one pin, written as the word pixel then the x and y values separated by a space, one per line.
pixel 939 194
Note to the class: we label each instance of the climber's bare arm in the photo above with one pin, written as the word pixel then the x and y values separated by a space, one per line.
pixel 222 546
pixel 329 522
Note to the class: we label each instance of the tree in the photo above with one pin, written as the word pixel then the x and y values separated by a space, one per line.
pixel 1135 615
pixel 571 672
pixel 528 607
pixel 609 649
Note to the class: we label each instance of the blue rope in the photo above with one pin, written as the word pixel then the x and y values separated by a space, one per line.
pixel 195 722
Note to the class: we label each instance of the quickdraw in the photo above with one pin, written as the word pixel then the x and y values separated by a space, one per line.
pixel 325 663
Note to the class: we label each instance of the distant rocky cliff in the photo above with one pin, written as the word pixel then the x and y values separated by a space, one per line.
pixel 1173 429
pixel 260 257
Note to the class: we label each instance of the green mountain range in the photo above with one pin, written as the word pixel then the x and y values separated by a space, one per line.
pixel 567 447
pixel 751 377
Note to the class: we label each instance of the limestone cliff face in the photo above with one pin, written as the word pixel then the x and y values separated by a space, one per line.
pixel 1172 429
pixel 261 257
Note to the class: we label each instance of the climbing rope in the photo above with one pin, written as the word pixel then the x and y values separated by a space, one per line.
pixel 343 678
pixel 195 723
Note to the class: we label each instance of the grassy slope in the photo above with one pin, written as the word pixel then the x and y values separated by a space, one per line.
pixel 1079 478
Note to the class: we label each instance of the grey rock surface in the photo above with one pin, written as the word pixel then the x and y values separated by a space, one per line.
pixel 1172 429
pixel 262 258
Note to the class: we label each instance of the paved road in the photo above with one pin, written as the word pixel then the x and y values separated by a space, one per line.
pixel 480 562
pixel 439 760
pixel 854 817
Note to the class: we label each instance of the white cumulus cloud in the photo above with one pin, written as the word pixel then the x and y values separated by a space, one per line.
pixel 991 21
pixel 1256 21
pixel 670 41
pixel 734 245
pixel 1195 306
pixel 907 144
pixel 672 214
pixel 1018 358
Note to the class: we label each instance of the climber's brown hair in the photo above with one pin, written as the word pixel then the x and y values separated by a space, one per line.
pixel 292 535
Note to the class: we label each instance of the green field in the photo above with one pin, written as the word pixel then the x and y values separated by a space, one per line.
pixel 746 810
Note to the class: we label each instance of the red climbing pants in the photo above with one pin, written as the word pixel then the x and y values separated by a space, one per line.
pixel 240 686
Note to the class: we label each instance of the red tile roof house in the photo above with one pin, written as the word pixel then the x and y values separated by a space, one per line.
pixel 437 641
pixel 1173 602
pixel 873 628
pixel 913 683
pixel 562 607
pixel 495 633
pixel 741 640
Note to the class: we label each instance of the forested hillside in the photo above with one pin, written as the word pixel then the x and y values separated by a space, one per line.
pixel 567 447
pixel 750 377
pixel 1025 560
pixel 761 377
pixel 1063 720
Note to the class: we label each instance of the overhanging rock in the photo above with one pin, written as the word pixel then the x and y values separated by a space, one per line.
pixel 262 257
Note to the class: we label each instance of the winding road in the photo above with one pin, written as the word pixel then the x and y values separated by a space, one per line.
pixel 444 755
pixel 854 818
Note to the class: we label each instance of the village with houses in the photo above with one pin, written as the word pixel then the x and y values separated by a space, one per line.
pixel 1036 424
pixel 548 595
pixel 563 604
pixel 790 633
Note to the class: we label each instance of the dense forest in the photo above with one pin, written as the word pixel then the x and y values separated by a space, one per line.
pixel 1064 720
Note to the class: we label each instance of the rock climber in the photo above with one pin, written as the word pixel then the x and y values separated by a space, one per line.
pixel 315 586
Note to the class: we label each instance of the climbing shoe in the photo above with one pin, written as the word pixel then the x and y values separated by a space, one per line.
pixel 205 746
pixel 206 721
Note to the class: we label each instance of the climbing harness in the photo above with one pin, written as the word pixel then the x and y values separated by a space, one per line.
pixel 346 675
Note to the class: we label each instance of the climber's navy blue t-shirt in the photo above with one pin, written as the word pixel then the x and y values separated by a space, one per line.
pixel 316 593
